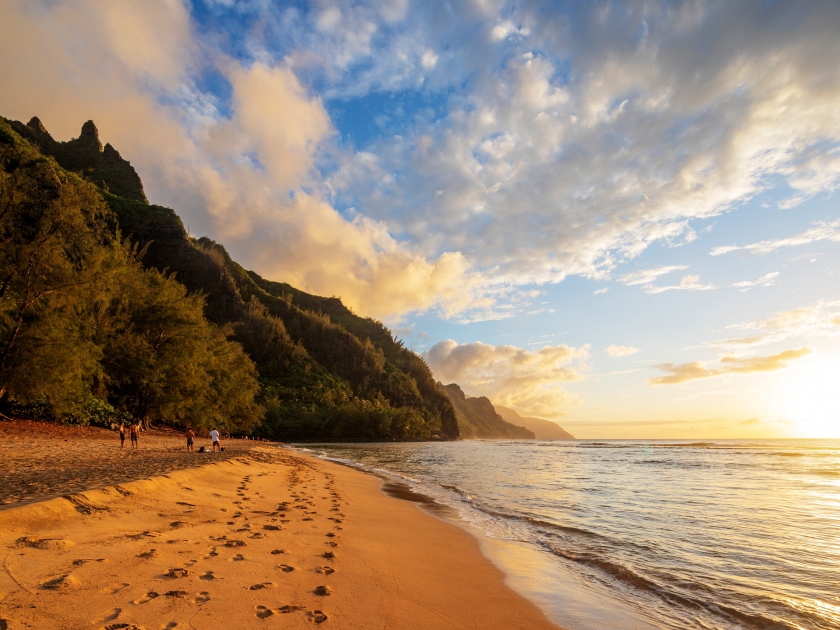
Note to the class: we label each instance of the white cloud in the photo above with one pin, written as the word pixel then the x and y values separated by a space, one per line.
pixel 646 276
pixel 621 351
pixel 822 231
pixel 529 381
pixel 247 179
pixel 820 319
pixel 690 282
pixel 601 291
pixel 429 59
pixel 767 280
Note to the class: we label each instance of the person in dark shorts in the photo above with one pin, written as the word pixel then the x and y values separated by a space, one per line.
pixel 190 435
pixel 134 434
pixel 214 437
pixel 122 434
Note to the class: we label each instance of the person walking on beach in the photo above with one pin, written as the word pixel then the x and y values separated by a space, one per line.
pixel 190 435
pixel 122 434
pixel 134 434
pixel 214 436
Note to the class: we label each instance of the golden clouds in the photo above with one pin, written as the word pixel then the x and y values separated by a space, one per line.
pixel 526 380
pixel 683 372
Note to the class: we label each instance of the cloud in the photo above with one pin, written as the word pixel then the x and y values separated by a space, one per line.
pixel 621 351
pixel 767 280
pixel 646 276
pixel 557 142
pixel 528 381
pixel 819 319
pixel 572 154
pixel 822 231
pixel 683 372
pixel 690 282
pixel 601 291
pixel 242 172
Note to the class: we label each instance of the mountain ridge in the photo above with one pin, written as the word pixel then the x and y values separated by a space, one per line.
pixel 325 373
pixel 478 419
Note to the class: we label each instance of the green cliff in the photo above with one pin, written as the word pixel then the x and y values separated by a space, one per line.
pixel 323 371
pixel 477 419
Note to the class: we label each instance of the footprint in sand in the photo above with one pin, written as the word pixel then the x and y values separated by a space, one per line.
pixel 123 626
pixel 113 589
pixel 318 616
pixel 262 585
pixel 329 555
pixel 236 543
pixel 285 568
pixel 49 544
pixel 109 616
pixel 272 528
pixel 276 552
pixel 237 558
pixel 63 582
pixel 201 598
pixel 289 608
pixel 151 553
pixel 330 543
pixel 146 598
pixel 171 625
pixel 207 576
pixel 309 518
pixel 330 535
pixel 177 572
pixel 263 612
pixel 325 570
pixel 323 591
pixel 181 594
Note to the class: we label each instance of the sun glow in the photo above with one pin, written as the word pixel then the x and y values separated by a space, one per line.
pixel 809 396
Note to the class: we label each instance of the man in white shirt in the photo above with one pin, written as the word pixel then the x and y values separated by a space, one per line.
pixel 214 436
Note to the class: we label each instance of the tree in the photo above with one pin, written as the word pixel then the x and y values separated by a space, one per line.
pixel 164 360
pixel 56 244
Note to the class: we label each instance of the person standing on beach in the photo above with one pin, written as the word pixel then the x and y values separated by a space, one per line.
pixel 134 434
pixel 214 436
pixel 190 435
pixel 122 434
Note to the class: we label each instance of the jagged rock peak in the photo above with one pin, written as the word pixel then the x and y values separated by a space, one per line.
pixel 36 124
pixel 90 132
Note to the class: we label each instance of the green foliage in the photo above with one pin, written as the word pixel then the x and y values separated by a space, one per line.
pixel 80 316
pixel 186 336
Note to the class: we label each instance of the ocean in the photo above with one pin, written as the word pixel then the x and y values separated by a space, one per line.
pixel 641 534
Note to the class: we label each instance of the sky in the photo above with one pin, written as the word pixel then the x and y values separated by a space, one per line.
pixel 620 216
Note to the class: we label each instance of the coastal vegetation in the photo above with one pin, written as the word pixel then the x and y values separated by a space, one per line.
pixel 109 310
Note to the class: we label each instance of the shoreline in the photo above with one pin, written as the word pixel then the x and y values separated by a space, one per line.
pixel 155 553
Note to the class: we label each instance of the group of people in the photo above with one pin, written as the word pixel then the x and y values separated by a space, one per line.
pixel 134 434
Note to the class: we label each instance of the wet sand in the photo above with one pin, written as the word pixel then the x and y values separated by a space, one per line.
pixel 267 538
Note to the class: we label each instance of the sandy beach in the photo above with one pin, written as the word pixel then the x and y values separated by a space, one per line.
pixel 259 537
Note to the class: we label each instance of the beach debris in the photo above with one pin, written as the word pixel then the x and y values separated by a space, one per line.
pixel 323 590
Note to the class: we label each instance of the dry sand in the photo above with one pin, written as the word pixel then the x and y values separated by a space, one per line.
pixel 267 539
